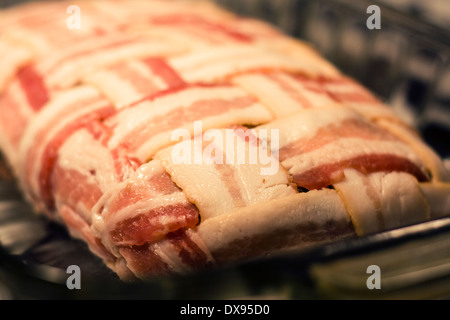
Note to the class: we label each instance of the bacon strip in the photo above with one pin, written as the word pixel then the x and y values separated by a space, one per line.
pixel 66 67
pixel 288 92
pixel 43 29
pixel 81 229
pixel 15 116
pixel 40 145
pixel 160 67
pixel 144 261
pixel 146 207
pixel 181 251
pixel 50 153
pixel 317 151
pixel 74 190
pixel 218 63
pixel 34 87
pixel 128 82
pixel 282 223
pixel 155 224
pixel 282 92
pixel 148 126
pixel 13 58
pixel 346 128
pixel 385 200
pixel 348 92
pixel 228 169
pixel 329 174
pixel 185 21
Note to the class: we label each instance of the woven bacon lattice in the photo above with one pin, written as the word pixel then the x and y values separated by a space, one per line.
pixel 88 118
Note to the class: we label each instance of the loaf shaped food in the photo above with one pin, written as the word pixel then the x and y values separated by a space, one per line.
pixel 173 136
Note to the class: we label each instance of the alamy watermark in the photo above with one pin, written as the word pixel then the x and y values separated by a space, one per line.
pixel 74 20
pixel 74 280
pixel 374 280
pixel 227 146
pixel 374 20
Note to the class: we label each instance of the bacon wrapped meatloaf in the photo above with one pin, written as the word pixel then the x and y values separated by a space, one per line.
pixel 174 136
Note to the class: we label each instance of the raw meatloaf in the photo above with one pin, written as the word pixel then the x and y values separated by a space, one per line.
pixel 174 136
